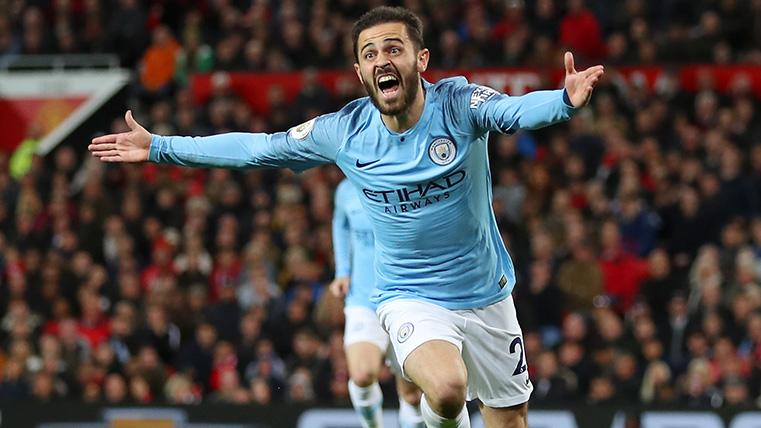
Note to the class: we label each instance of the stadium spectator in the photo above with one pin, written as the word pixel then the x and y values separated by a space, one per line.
pixel 580 31
pixel 126 31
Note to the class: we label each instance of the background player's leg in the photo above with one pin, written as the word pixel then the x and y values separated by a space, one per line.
pixel 409 404
pixel 505 417
pixel 438 369
pixel 364 360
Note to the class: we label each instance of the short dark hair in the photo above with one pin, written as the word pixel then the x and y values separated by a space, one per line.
pixel 384 14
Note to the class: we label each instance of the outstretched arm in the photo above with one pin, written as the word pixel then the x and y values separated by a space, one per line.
pixel 303 147
pixel 492 111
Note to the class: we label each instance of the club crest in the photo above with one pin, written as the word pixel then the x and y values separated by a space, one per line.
pixel 442 151
pixel 405 331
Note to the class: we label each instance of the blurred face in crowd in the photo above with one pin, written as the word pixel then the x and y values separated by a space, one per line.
pixel 697 344
pixel 658 263
pixel 206 335
pixel 389 67
pixel 570 354
pixel 574 327
pixel 625 366
pixel 250 327
pixel 139 389
pixel 156 318
pixel 115 389
pixel 678 306
pixel 43 386
pixel 601 389
pixel 546 365
pixel 652 350
pixel 305 345
pixel 610 237
pixel 609 325
pixel 736 392
pixel 644 328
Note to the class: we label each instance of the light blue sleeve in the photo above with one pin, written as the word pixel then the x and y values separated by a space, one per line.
pixel 310 144
pixel 483 109
pixel 341 233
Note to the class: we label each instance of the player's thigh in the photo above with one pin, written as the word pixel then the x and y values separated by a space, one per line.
pixel 493 352
pixel 365 342
pixel 505 417
pixel 427 340
pixel 438 368
pixel 408 391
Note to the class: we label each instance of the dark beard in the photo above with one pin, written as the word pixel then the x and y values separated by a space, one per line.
pixel 409 92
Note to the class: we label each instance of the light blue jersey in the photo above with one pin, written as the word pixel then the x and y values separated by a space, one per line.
pixel 427 191
pixel 353 245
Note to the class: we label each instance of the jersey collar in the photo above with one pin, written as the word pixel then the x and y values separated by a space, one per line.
pixel 424 117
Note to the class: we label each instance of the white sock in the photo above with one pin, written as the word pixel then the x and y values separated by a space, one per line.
pixel 368 402
pixel 409 415
pixel 432 420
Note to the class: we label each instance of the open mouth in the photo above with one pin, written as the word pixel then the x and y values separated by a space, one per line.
pixel 388 85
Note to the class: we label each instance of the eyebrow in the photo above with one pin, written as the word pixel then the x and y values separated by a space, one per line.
pixel 389 39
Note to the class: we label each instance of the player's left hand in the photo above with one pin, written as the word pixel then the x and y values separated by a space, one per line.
pixel 579 84
pixel 340 286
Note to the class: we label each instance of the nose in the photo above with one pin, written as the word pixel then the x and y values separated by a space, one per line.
pixel 382 58
pixel 384 64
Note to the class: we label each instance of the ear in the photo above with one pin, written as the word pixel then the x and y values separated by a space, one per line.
pixel 422 60
pixel 359 74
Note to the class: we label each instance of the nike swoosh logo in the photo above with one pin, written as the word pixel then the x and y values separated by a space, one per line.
pixel 362 165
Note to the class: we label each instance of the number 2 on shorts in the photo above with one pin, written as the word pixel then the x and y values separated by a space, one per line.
pixel 521 367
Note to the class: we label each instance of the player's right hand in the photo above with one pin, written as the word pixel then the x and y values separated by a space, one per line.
pixel 132 146
pixel 340 286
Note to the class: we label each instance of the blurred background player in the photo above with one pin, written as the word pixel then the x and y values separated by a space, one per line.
pixel 365 340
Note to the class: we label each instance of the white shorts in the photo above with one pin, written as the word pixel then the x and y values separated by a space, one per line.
pixel 362 325
pixel 489 339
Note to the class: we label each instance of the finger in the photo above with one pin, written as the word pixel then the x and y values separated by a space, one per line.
pixel 131 122
pixel 592 70
pixel 569 67
pixel 590 80
pixel 597 71
pixel 593 79
pixel 106 153
pixel 101 147
pixel 112 159
pixel 105 139
pixel 595 68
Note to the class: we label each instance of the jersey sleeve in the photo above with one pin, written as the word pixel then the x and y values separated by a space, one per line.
pixel 483 109
pixel 310 144
pixel 341 233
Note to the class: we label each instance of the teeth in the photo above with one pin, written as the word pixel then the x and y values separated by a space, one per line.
pixel 386 78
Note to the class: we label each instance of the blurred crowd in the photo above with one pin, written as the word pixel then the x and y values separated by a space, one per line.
pixel 169 38
pixel 635 228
